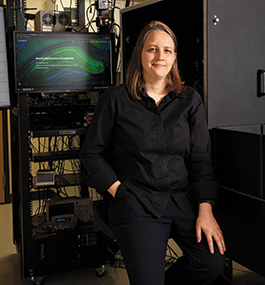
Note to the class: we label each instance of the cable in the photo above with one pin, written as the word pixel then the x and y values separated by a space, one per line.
pixel 62 5
pixel 26 21
pixel 91 21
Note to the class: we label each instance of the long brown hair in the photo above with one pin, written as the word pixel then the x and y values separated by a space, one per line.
pixel 134 78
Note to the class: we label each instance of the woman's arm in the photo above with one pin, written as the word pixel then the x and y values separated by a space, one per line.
pixel 203 186
pixel 206 223
pixel 96 152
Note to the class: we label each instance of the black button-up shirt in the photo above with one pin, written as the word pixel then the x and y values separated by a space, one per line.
pixel 155 151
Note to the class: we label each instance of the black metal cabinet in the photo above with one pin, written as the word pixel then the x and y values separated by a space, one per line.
pixel 220 51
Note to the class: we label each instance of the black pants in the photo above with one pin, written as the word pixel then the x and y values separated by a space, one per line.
pixel 143 239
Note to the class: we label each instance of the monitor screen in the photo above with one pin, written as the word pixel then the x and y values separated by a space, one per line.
pixel 47 62
pixel 4 83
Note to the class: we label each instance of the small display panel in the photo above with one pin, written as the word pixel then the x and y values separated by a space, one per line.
pixel 61 209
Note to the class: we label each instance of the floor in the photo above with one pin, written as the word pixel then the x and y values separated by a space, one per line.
pixel 10 265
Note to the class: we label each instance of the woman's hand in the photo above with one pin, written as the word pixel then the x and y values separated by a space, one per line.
pixel 207 223
pixel 114 187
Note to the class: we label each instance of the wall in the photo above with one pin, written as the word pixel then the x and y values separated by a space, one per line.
pixel 48 5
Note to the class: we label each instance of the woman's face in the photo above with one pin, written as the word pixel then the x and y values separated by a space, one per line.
pixel 158 56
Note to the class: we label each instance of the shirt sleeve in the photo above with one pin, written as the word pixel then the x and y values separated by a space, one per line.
pixel 96 150
pixel 199 163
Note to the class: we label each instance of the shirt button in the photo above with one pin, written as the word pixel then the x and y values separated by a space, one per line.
pixel 161 134
pixel 165 174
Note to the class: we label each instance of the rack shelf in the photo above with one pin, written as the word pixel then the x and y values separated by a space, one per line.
pixel 58 132
pixel 54 155
pixel 61 180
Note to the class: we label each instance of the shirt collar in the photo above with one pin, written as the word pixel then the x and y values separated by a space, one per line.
pixel 170 94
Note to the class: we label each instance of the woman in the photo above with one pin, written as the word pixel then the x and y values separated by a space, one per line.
pixel 148 146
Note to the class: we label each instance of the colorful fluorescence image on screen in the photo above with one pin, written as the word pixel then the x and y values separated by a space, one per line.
pixel 62 62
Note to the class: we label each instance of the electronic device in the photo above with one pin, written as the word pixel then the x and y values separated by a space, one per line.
pixel 45 177
pixel 103 4
pixel 86 244
pixel 4 85
pixel 102 20
pixel 74 113
pixel 65 213
pixel 52 21
pixel 63 62
pixel 63 222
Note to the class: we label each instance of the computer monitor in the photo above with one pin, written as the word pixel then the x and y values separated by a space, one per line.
pixel 4 82
pixel 50 62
